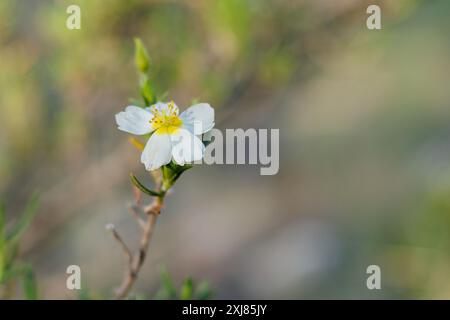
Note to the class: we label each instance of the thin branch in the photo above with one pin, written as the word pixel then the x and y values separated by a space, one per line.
pixel 137 196
pixel 116 236
pixel 152 211
pixel 133 209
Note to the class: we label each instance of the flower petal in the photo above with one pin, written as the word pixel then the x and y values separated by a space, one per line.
pixel 134 120
pixel 201 115
pixel 187 148
pixel 157 151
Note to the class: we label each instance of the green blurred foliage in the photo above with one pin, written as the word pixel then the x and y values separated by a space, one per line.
pixel 11 266
pixel 189 289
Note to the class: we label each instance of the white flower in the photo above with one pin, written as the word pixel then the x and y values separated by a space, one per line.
pixel 173 136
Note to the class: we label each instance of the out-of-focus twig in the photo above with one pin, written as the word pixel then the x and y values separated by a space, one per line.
pixel 119 239
pixel 137 258
pixel 133 209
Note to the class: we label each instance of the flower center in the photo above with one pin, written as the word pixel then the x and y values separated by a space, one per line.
pixel 166 121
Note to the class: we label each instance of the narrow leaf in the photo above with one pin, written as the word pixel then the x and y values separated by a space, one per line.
pixel 24 221
pixel 29 284
pixel 146 90
pixel 187 289
pixel 141 187
pixel 168 284
pixel 179 171
pixel 203 291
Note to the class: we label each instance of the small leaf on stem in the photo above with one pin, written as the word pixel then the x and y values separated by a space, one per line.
pixel 141 187
pixel 146 89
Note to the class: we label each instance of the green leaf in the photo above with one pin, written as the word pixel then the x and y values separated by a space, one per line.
pixel 29 284
pixel 25 220
pixel 142 61
pixel 187 289
pixel 146 90
pixel 11 252
pixel 168 284
pixel 141 57
pixel 176 171
pixel 203 291
pixel 141 187
pixel 171 173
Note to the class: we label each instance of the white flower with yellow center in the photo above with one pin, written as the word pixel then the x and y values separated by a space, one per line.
pixel 173 136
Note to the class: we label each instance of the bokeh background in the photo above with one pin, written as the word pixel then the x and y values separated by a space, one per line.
pixel 364 119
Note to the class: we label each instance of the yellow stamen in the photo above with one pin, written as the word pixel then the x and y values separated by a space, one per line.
pixel 164 122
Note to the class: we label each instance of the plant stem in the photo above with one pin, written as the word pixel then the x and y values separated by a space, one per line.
pixel 152 212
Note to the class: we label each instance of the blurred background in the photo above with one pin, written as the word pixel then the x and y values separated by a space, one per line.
pixel 364 119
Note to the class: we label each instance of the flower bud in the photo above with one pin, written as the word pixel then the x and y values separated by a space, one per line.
pixel 141 57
